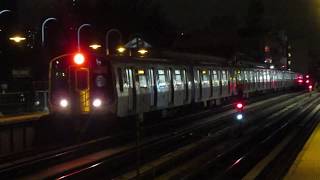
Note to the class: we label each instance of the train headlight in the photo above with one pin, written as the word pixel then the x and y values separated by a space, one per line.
pixel 64 103
pixel 239 116
pixel 97 103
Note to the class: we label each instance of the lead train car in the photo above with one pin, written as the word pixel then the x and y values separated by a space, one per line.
pixel 125 86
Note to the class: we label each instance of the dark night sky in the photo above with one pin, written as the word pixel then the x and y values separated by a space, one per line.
pixel 190 13
pixel 300 18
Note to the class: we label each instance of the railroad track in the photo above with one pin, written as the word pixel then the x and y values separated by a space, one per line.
pixel 183 136
pixel 204 150
pixel 241 161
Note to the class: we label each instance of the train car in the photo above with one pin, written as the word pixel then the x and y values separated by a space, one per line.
pixel 124 86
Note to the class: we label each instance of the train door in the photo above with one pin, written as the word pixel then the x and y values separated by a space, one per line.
pixel 122 92
pixel 142 90
pixel 216 84
pixel 153 88
pixel 170 75
pixel 265 79
pixel 276 79
pixel 205 84
pixel 233 81
pixel 197 86
pixel 245 81
pixel 79 79
pixel 256 80
pixel 162 88
pixel 252 80
pixel 186 86
pixel 224 83
pixel 260 81
pixel 131 90
pixel 179 87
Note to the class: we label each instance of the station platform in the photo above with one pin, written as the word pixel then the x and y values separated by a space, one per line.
pixel 307 164
pixel 21 117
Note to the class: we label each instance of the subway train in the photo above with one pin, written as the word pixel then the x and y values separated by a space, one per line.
pixel 89 84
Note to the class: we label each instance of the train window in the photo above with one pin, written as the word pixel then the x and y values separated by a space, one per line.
pixel 205 76
pixel 120 79
pixel 82 79
pixel 161 78
pixel 143 81
pixel 142 78
pixel 178 77
pixel 161 72
pixel 100 81
pixel 215 78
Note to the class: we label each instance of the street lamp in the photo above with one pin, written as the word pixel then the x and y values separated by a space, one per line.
pixel 78 33
pixel 17 39
pixel 42 28
pixel 120 49
pixel 142 51
pixel 95 46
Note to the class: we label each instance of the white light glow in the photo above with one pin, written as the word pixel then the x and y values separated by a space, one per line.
pixel 64 103
pixel 97 103
pixel 239 116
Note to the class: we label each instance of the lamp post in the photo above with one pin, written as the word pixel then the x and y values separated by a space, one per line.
pixel 4 11
pixel 78 33
pixel 107 39
pixel 42 28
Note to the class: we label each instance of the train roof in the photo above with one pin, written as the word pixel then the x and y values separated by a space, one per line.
pixel 180 59
pixel 183 60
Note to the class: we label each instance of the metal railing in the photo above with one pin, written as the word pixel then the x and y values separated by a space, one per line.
pixel 23 102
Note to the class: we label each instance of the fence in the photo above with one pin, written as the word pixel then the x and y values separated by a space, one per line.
pixel 22 102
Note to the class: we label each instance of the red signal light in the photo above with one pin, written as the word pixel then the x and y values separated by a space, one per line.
pixel 310 87
pixel 300 81
pixel 307 76
pixel 307 81
pixel 239 105
pixel 78 59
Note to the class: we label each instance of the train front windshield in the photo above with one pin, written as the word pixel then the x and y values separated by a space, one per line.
pixel 59 86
